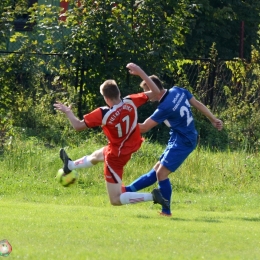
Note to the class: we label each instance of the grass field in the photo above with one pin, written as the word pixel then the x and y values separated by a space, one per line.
pixel 215 208
pixel 67 231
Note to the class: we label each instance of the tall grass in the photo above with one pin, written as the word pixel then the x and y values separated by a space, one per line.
pixel 29 168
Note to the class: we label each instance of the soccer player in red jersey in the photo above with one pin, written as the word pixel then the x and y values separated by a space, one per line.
pixel 119 123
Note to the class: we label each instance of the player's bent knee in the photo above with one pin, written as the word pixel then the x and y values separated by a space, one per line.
pixel 97 157
pixel 156 166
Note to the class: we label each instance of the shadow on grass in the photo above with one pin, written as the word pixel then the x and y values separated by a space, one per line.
pixel 251 219
pixel 144 216
pixel 197 220
pixel 162 217
pixel 208 220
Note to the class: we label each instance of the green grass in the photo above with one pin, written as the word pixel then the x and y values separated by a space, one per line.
pixel 215 208
pixel 51 231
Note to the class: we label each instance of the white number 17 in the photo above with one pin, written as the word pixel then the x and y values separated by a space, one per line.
pixel 119 127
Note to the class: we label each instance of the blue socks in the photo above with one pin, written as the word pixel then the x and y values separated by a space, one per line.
pixel 166 191
pixel 149 179
pixel 142 182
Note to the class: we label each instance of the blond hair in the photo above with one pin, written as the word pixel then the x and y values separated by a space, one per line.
pixel 109 89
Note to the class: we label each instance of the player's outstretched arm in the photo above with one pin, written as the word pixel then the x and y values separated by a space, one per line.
pixel 136 70
pixel 217 123
pixel 147 125
pixel 77 124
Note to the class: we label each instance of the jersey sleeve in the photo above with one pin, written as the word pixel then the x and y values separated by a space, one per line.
pixel 94 118
pixel 187 93
pixel 138 99
pixel 159 115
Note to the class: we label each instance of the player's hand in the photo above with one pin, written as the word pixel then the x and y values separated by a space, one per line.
pixel 218 124
pixel 61 107
pixel 134 69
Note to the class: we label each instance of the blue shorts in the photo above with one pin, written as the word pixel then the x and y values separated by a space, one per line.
pixel 177 150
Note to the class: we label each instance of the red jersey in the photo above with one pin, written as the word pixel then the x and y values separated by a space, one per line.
pixel 119 124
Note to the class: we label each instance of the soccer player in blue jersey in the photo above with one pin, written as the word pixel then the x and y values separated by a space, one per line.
pixel 119 123
pixel 174 110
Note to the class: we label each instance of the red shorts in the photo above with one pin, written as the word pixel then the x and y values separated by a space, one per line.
pixel 114 165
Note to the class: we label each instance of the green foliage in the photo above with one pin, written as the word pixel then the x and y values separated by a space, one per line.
pixel 102 37
pixel 220 22
pixel 96 42
pixel 242 108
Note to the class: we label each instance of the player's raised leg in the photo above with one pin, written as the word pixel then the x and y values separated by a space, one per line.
pixel 84 162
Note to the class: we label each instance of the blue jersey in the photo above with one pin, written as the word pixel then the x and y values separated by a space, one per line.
pixel 175 110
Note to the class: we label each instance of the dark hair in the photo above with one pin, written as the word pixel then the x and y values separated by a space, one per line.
pixel 155 79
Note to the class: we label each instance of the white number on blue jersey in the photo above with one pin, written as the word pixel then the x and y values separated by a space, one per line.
pixel 184 110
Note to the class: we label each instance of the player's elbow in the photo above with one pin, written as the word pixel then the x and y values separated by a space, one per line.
pixel 143 131
pixel 147 125
pixel 143 128
pixel 79 127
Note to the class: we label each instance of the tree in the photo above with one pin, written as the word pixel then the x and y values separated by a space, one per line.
pixel 220 22
pixel 101 37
